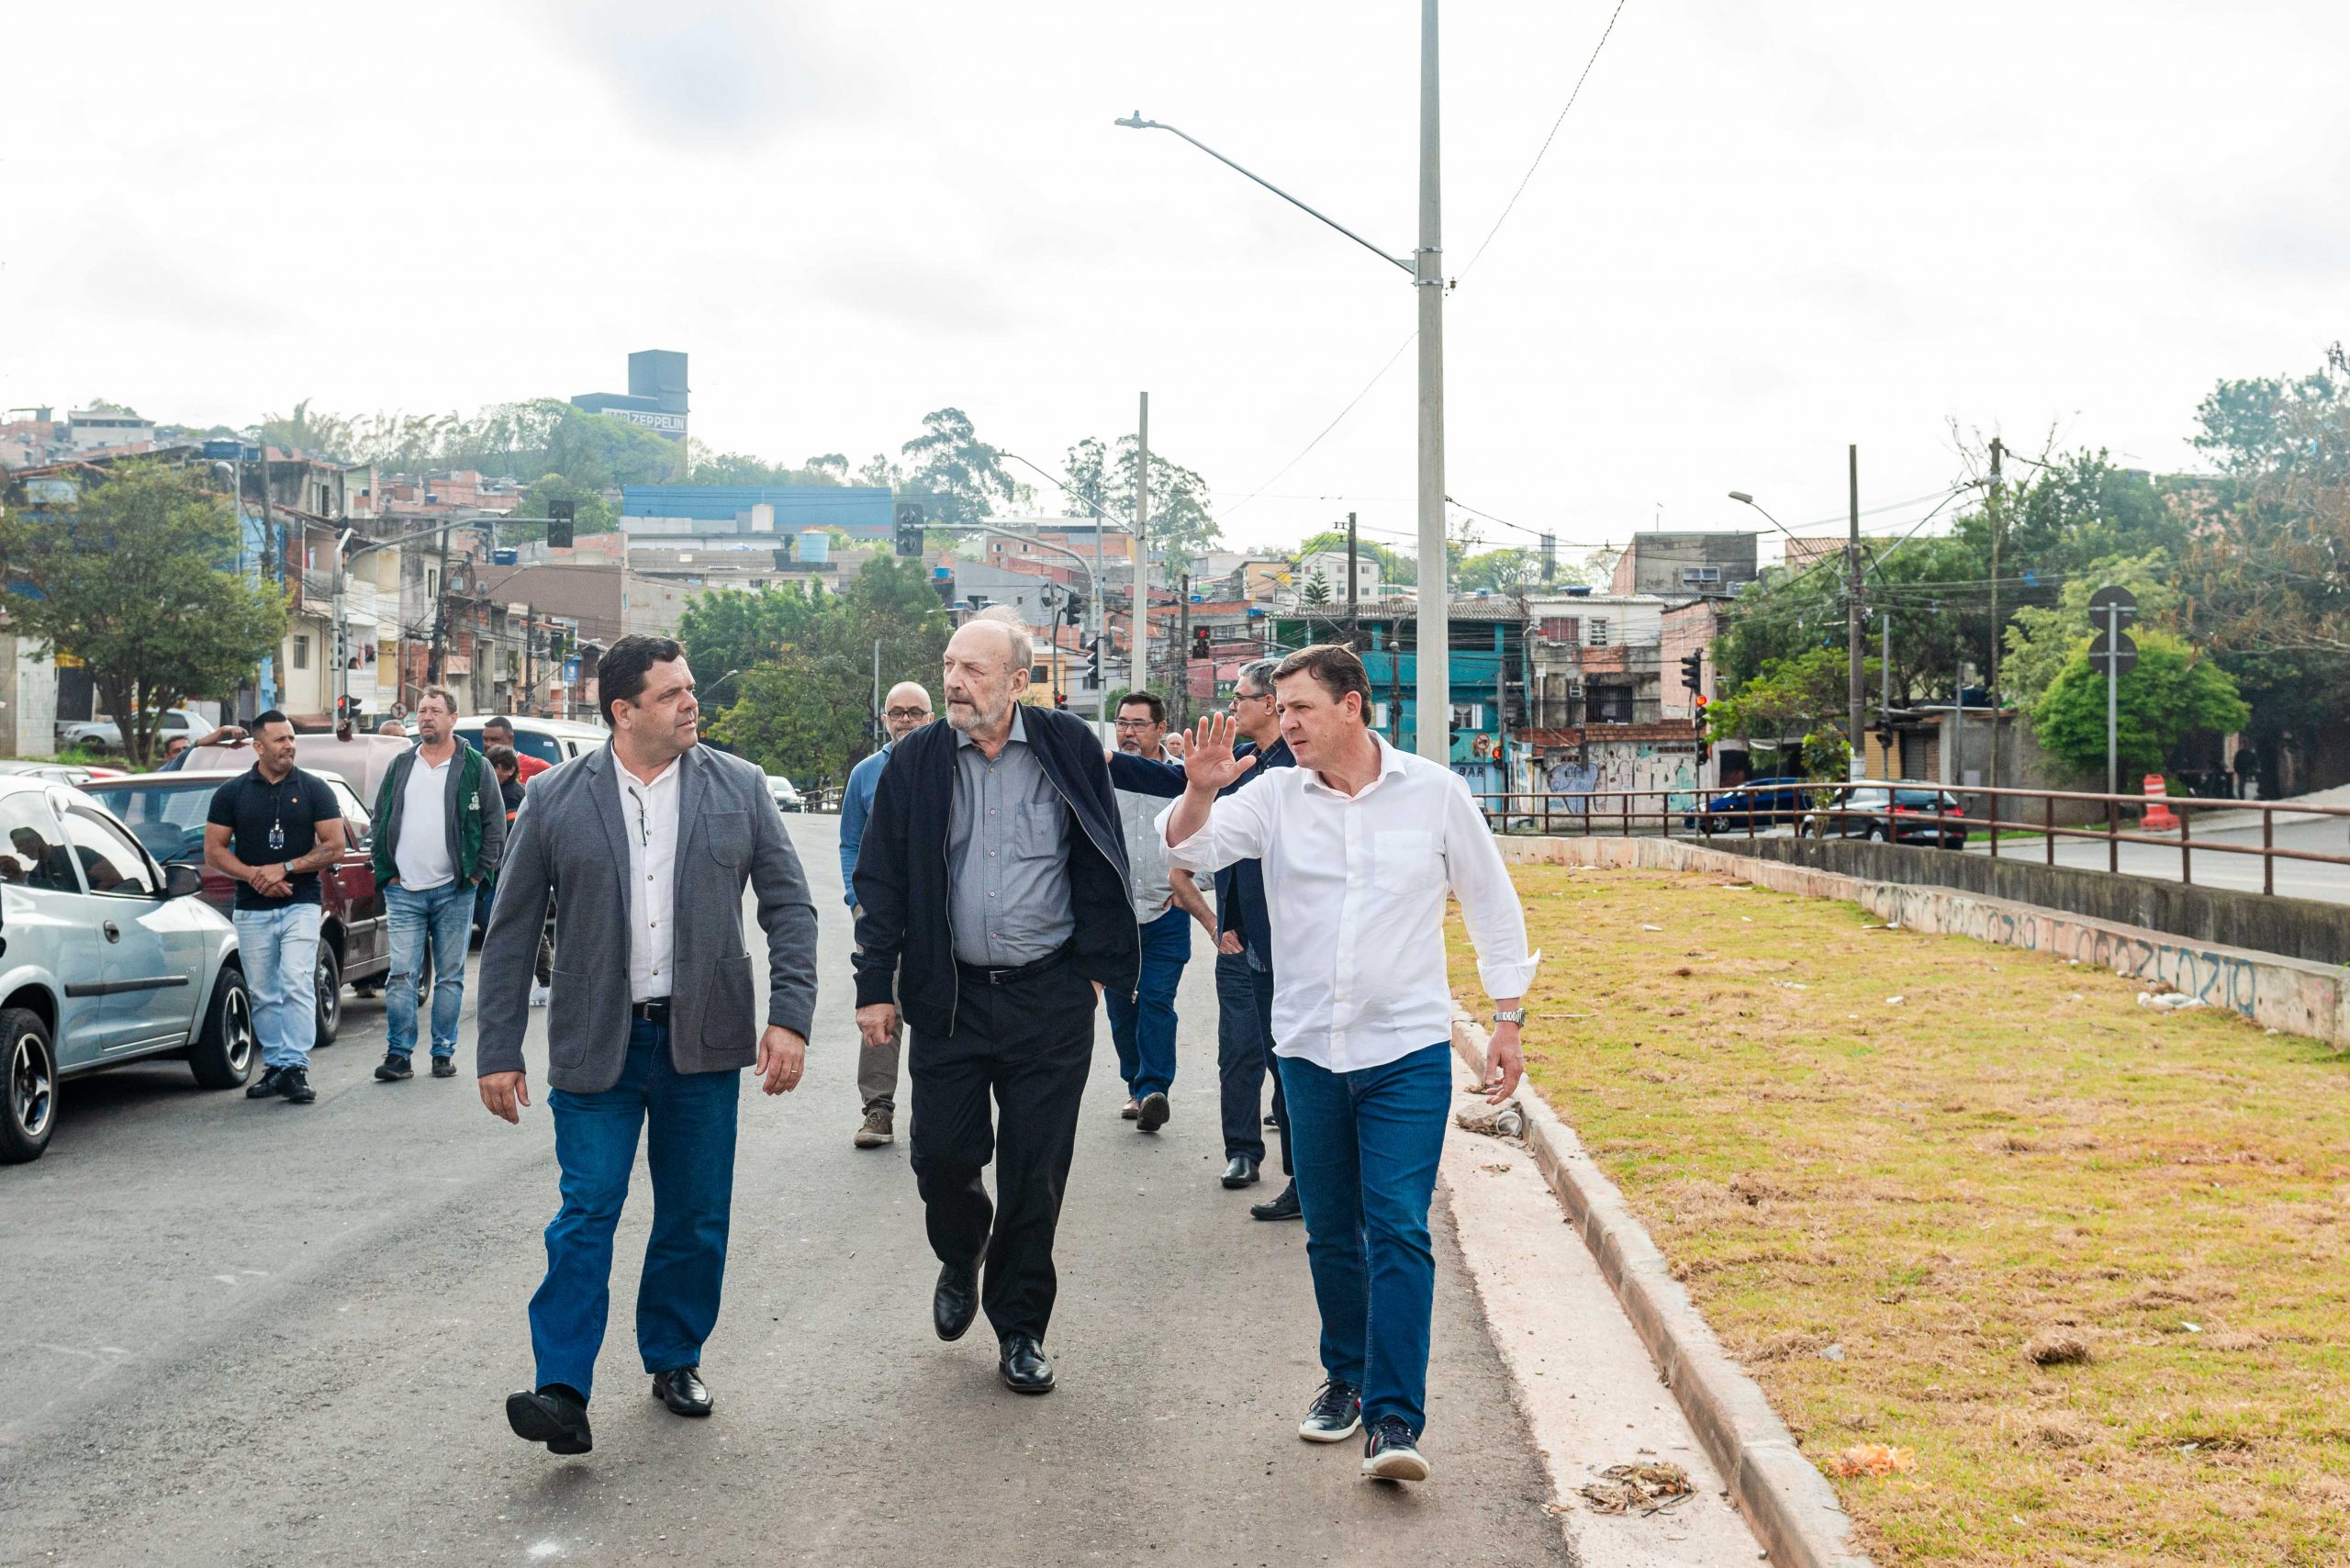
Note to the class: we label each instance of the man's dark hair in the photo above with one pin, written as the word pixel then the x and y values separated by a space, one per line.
pixel 501 757
pixel 498 721
pixel 619 674
pixel 1150 700
pixel 264 721
pixel 1335 668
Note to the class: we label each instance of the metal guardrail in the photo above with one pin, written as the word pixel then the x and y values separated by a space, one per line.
pixel 1691 814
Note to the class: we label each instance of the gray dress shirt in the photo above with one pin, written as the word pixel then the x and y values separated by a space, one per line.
pixel 1007 844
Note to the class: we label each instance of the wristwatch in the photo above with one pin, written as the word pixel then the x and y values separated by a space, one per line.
pixel 1514 1015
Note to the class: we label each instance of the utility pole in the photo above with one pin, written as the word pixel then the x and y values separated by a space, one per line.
pixel 530 649
pixel 1999 451
pixel 1857 696
pixel 1182 693
pixel 439 615
pixel 1354 602
pixel 1142 541
pixel 1885 701
pixel 1435 651
pixel 876 729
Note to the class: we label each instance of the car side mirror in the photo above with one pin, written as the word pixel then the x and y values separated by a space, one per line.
pixel 180 879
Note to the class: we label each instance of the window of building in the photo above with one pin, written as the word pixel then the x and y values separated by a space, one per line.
pixel 301 653
pixel 1598 631
pixel 1701 573
pixel 1607 705
pixel 1561 629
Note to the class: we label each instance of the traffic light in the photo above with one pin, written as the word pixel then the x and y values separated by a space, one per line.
pixel 1693 671
pixel 910 519
pixel 560 515
pixel 1076 607
pixel 1200 643
pixel 1096 662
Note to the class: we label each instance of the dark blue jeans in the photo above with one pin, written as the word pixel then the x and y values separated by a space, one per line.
pixel 1367 1144
pixel 690 1150
pixel 1144 1029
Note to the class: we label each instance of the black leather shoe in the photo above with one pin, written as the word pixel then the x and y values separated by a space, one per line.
pixel 1023 1366
pixel 1151 1112
pixel 551 1416
pixel 294 1084
pixel 683 1390
pixel 1240 1172
pixel 955 1301
pixel 1283 1207
pixel 444 1067
pixel 265 1086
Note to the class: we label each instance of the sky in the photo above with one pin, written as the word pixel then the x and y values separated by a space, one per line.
pixel 1761 233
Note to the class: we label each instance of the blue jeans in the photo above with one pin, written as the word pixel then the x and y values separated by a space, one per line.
pixel 690 1151
pixel 1144 1029
pixel 279 948
pixel 1367 1144
pixel 445 915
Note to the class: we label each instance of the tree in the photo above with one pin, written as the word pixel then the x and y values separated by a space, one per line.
pixel 1499 571
pixel 329 436
pixel 790 720
pixel 131 580
pixel 1395 567
pixel 2167 696
pixel 591 513
pixel 963 476
pixel 1183 524
pixel 2041 640
pixel 729 629
pixel 1316 591
pixel 1803 694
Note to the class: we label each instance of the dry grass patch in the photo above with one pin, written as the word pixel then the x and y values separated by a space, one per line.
pixel 2085 1260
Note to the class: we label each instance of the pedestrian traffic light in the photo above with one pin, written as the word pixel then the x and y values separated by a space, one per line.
pixel 560 516
pixel 909 522
pixel 1693 671
pixel 1200 643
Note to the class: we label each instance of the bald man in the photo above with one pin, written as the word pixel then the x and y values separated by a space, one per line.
pixel 904 711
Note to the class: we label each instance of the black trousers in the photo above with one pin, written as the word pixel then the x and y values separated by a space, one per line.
pixel 1264 981
pixel 1244 1055
pixel 1029 1043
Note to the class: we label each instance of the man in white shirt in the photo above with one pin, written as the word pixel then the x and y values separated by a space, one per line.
pixel 1362 842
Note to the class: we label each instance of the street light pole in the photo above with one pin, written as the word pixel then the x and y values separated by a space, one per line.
pixel 1856 696
pixel 1433 687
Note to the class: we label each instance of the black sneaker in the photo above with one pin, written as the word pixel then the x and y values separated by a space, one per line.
pixel 265 1086
pixel 1390 1454
pixel 444 1067
pixel 1284 1205
pixel 394 1068
pixel 1335 1416
pixel 294 1082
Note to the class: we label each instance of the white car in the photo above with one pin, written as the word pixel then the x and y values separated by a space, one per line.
pixel 551 741
pixel 104 734
pixel 786 799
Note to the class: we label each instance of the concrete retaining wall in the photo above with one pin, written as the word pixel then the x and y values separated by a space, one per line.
pixel 2295 994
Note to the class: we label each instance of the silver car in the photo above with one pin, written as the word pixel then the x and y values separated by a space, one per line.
pixel 105 958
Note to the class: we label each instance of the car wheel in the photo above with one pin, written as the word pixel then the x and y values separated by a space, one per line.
pixel 31 1109
pixel 330 981
pixel 222 1056
pixel 1876 833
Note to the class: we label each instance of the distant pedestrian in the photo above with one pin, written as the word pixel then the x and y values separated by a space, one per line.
pixel 503 762
pixel 1362 842
pixel 498 730
pixel 272 829
pixel 393 728
pixel 1166 901
pixel 2248 769
pixel 175 755
pixel 439 829
pixel 993 880
pixel 653 839
pixel 904 711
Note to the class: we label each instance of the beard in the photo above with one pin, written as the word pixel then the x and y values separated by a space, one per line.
pixel 970 714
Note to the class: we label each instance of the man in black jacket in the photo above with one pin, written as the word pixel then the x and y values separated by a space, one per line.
pixel 992 878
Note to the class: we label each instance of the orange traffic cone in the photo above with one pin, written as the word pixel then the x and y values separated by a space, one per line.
pixel 2158 817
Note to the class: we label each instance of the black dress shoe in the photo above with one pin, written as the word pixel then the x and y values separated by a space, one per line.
pixel 265 1086
pixel 1151 1112
pixel 552 1416
pixel 1283 1207
pixel 1240 1172
pixel 955 1301
pixel 683 1390
pixel 1023 1366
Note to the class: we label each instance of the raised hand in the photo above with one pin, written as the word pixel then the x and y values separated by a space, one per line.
pixel 1208 762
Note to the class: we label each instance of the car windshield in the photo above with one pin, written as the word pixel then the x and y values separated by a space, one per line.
pixel 1921 800
pixel 168 819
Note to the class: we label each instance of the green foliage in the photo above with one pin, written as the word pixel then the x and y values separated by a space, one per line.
pixel 742 469
pixel 1501 571
pixel 2041 640
pixel 1931 585
pixel 591 513
pixel 1395 568
pixel 132 581
pixel 1787 696
pixel 2167 696
pixel 963 476
pixel 1316 590
pixel 1183 523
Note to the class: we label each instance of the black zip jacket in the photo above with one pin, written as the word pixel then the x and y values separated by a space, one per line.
pixel 906 951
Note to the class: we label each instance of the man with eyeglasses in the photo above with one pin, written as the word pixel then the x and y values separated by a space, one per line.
pixel 904 711
pixel 1165 903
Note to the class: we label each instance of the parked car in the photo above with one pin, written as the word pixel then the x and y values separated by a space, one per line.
pixel 551 741
pixel 166 812
pixel 59 772
pixel 360 762
pixel 786 799
pixel 104 734
pixel 1762 801
pixel 106 956
pixel 1906 818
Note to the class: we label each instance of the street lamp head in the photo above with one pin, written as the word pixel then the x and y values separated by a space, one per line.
pixel 1741 498
pixel 1135 122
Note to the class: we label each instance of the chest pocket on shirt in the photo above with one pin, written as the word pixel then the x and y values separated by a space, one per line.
pixel 1405 860
pixel 1043 824
pixel 727 836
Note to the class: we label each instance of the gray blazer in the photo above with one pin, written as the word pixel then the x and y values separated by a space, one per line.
pixel 569 844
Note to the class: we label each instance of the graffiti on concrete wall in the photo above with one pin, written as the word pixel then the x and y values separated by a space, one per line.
pixel 1643 765
pixel 2217 979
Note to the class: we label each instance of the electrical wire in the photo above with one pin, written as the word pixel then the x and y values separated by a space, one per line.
pixel 1326 428
pixel 1511 205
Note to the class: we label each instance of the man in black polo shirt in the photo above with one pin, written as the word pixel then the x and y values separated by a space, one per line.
pixel 271 830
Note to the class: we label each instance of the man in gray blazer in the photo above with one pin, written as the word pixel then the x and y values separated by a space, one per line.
pixel 645 847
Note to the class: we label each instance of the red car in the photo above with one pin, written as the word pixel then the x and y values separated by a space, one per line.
pixel 166 812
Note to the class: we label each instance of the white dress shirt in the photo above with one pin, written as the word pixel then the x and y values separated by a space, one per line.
pixel 649 821
pixel 1355 889
pixel 422 857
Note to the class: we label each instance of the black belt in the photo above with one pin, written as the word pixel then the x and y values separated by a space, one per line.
pixel 654 1012
pixel 980 974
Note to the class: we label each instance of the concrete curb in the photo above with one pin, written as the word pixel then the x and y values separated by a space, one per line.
pixel 1789 1505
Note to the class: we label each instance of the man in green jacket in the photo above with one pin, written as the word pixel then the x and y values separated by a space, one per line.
pixel 439 829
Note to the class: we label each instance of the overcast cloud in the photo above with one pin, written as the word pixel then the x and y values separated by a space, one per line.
pixel 1764 231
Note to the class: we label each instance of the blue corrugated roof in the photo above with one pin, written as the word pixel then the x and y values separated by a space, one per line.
pixel 862 510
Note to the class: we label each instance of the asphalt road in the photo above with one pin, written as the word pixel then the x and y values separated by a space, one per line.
pixel 258 1334
pixel 2212 868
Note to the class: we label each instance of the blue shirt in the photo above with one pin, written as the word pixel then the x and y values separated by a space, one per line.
pixel 856 804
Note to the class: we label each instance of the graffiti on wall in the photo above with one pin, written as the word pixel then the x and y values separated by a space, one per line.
pixel 2216 979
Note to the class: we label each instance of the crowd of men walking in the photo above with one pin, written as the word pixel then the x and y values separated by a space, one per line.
pixel 1003 871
